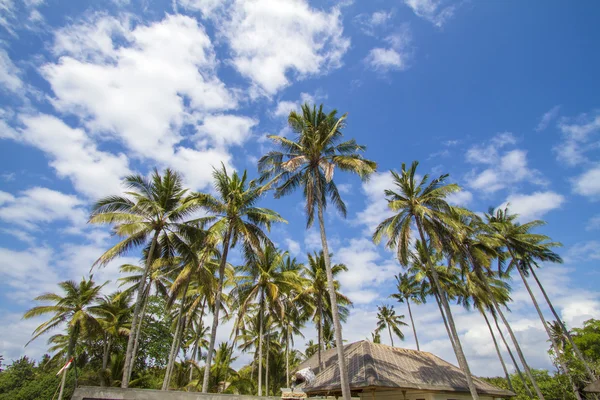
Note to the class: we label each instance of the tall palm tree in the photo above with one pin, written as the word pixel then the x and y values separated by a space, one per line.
pixel 72 308
pixel 152 212
pixel 387 318
pixel 234 217
pixel 308 162
pixel 425 205
pixel 314 295
pixel 113 313
pixel 409 289
pixel 264 280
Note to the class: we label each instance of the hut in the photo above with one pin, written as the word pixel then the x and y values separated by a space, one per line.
pixel 381 372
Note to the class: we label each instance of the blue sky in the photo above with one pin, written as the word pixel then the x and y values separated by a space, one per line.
pixel 503 96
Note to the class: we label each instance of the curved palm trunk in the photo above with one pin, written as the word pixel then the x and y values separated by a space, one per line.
pixel 287 356
pixel 70 351
pixel 320 333
pixel 412 322
pixel 564 328
pixel 512 357
pixel 213 329
pixel 345 385
pixel 519 351
pixel 267 367
pixel 128 365
pixel 105 355
pixel 139 328
pixel 506 374
pixel 260 342
pixel 176 340
pixel 563 367
pixel 390 333
pixel 198 339
pixel 460 355
pixel 439 303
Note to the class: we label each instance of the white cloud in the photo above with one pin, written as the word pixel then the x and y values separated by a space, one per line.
pixel 284 107
pixel 584 251
pixel 271 39
pixel 396 56
pixel 293 247
pixel 377 206
pixel 366 270
pixel 588 183
pixel 548 117
pixel 9 73
pixel 505 169
pixel 369 23
pixel 73 155
pixel 141 93
pixel 462 198
pixel 533 206
pixel 432 10
pixel 41 205
pixel 578 138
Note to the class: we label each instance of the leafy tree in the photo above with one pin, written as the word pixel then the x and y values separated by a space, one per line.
pixel 73 309
pixel 234 217
pixel 309 163
pixel 387 318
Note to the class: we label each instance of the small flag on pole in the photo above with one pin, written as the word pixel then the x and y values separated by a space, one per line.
pixel 67 365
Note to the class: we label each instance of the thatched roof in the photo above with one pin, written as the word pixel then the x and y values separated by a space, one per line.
pixel 377 366
pixel 593 387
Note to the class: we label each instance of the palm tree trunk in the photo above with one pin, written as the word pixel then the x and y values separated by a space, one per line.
pixel 260 341
pixel 390 333
pixel 564 328
pixel 139 327
pixel 127 367
pixel 412 322
pixel 287 357
pixel 267 367
pixel 519 351
pixel 105 355
pixel 541 315
pixel 460 355
pixel 213 330
pixel 506 374
pixel 345 384
pixel 320 333
pixel 439 303
pixel 512 357
pixel 176 339
pixel 70 351
pixel 198 338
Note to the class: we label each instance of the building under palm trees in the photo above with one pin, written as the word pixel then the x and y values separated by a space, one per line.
pixel 381 372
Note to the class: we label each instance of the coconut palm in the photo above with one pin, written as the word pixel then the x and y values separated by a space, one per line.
pixel 264 280
pixel 234 217
pixel 113 313
pixel 308 162
pixel 409 289
pixel 152 212
pixel 73 308
pixel 387 318
pixel 424 204
pixel 314 295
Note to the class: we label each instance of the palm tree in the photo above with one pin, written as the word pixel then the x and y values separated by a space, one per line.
pixel 425 205
pixel 309 163
pixel 263 279
pixel 314 295
pixel 152 210
pixel 387 318
pixel 73 308
pixel 375 337
pixel 113 313
pixel 233 217
pixel 409 289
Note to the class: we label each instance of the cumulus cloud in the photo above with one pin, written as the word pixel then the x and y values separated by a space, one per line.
pixel 302 41
pixel 370 23
pixel 578 138
pixel 588 183
pixel 504 168
pixel 434 11
pixel 377 207
pixel 533 206
pixel 394 57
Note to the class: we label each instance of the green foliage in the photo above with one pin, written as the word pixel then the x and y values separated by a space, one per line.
pixel 23 380
pixel 553 387
pixel 155 336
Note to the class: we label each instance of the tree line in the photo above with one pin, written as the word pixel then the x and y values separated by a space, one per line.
pixel 450 254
